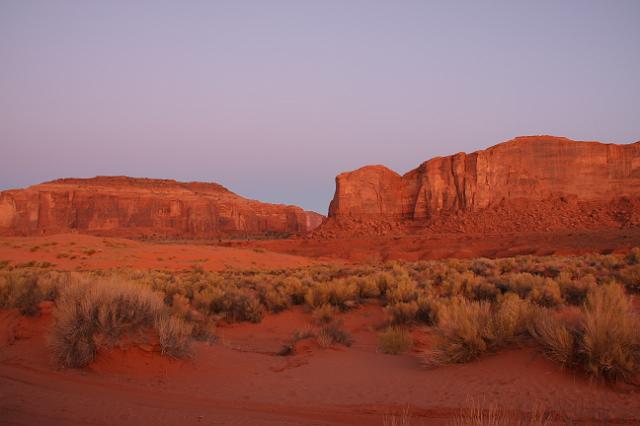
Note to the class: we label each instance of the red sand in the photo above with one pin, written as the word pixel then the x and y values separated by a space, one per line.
pixel 240 381
pixel 85 252
pixel 456 245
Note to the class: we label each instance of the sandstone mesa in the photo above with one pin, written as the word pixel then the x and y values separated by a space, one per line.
pixel 139 207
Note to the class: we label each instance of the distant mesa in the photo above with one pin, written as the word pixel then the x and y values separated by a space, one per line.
pixel 140 207
pixel 528 183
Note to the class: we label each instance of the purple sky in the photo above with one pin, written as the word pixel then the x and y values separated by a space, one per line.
pixel 274 98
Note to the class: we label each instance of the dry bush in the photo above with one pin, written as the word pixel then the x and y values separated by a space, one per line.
pixel 395 340
pixel 511 319
pixel 403 418
pixel 401 312
pixel 323 314
pixel 340 293
pixel 555 337
pixel 91 315
pixel 476 415
pixel 574 292
pixel 367 287
pixel 610 341
pixel 630 277
pixel 465 330
pixel 174 336
pixel 332 334
pixel 548 294
pixel 427 309
pixel 25 289
pixel 522 283
pixel 274 298
pixel 296 290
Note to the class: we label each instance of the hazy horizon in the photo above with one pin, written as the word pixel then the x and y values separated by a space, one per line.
pixel 273 99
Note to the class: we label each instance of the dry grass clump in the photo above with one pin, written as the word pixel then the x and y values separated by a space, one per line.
pixel 340 293
pixel 610 335
pixel 548 294
pixel 174 336
pixel 395 340
pixel 333 334
pixel 401 312
pixel 606 343
pixel 467 329
pixel 476 415
pixel 97 314
pixel 25 289
pixel 556 339
pixel 323 314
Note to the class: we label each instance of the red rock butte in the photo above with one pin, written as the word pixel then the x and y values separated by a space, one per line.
pixel 138 207
pixel 532 182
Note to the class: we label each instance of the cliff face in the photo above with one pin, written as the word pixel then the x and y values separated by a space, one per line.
pixel 524 170
pixel 144 207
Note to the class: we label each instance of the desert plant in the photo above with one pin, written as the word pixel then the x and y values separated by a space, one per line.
pixel 610 344
pixel 465 331
pixel 333 333
pixel 91 315
pixel 323 314
pixel 548 294
pixel 401 312
pixel 395 340
pixel 555 337
pixel 174 336
pixel 476 414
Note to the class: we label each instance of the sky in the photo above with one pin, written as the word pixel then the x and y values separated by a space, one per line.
pixel 274 98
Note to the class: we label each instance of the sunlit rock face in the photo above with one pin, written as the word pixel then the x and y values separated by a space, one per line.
pixel 524 170
pixel 124 206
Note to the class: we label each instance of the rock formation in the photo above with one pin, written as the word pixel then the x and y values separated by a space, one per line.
pixel 522 176
pixel 125 206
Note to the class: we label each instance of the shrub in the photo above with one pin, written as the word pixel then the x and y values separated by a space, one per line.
pixel 395 340
pixel 522 283
pixel 630 277
pixel 633 257
pixel 91 315
pixel 548 294
pixel 323 314
pixel 511 318
pixel 610 344
pixel 339 293
pixel 427 309
pixel 332 334
pixel 174 335
pixel 557 341
pixel 401 312
pixel 574 292
pixel 24 290
pixel 465 330
pixel 477 415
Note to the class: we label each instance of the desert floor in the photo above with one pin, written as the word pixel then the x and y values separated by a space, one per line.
pixel 240 379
